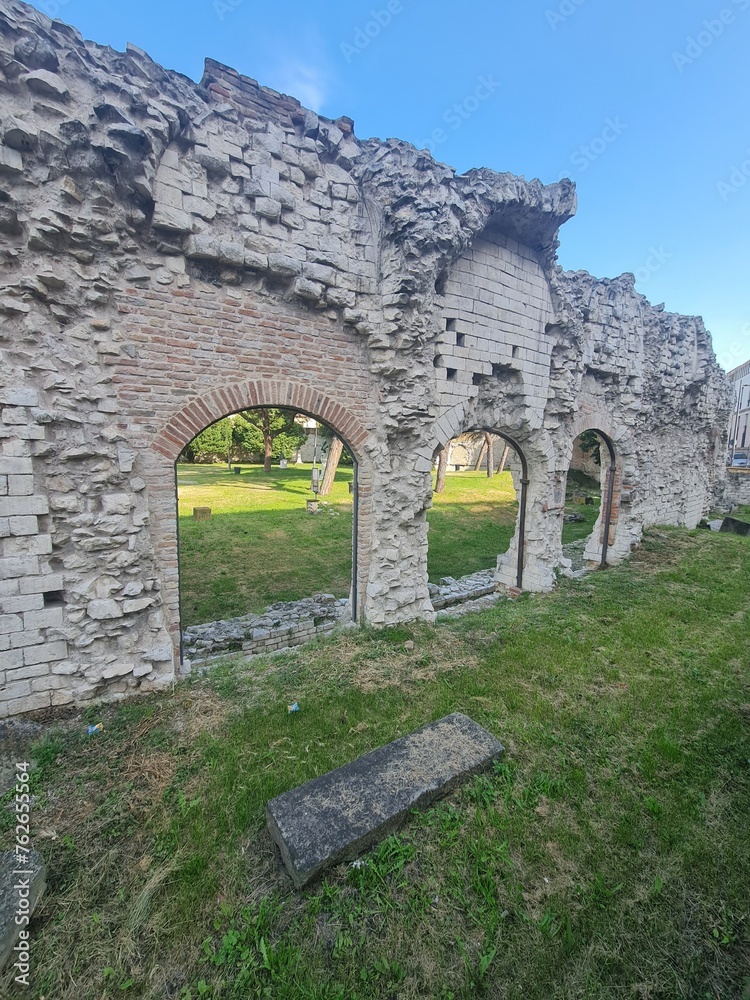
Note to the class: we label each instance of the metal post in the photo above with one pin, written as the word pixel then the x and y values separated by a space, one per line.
pixel 610 498
pixel 521 532
pixel 177 540
pixel 355 540
pixel 522 505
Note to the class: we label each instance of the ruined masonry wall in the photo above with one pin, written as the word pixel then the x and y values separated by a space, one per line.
pixel 497 305
pixel 738 488
pixel 172 251
pixel 30 591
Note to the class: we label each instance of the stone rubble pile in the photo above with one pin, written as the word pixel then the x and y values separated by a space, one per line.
pixel 466 588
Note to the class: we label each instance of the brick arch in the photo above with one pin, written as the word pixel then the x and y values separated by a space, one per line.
pixel 206 409
pixel 160 456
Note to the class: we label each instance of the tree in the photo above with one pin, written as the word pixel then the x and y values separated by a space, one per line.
pixel 215 441
pixel 272 433
pixel 590 443
pixel 490 442
pixel 504 459
pixel 335 449
pixel 480 456
pixel 442 468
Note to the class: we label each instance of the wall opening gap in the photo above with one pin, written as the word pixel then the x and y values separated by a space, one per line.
pixel 267 518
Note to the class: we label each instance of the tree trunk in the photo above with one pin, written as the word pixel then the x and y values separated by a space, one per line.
pixel 442 469
pixel 480 458
pixel 503 460
pixel 332 463
pixel 490 442
pixel 267 440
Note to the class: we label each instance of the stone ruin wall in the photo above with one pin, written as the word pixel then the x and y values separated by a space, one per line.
pixel 172 252
pixel 738 488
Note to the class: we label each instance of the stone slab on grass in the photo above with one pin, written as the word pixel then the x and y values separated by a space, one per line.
pixel 335 817
pixel 736 526
pixel 32 880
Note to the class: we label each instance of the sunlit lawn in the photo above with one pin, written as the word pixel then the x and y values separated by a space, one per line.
pixel 262 546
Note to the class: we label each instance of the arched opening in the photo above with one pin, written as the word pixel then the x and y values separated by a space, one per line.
pixel 267 528
pixel 170 438
pixel 589 498
pixel 480 495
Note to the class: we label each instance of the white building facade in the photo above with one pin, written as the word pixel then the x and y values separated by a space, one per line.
pixel 739 428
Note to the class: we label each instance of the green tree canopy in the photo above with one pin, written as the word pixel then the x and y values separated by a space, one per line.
pixel 215 440
pixel 591 445
pixel 269 432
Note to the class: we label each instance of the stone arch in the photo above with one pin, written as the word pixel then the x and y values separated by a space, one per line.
pixel 595 419
pixel 159 464
pixel 601 544
pixel 456 421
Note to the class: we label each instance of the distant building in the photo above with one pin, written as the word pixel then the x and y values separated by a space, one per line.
pixel 739 428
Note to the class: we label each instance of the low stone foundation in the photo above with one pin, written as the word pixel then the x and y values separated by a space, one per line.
pixel 281 626
pixel 467 588
pixel 293 623
pixel 738 487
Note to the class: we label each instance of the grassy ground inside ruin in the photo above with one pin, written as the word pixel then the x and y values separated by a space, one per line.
pixel 605 857
pixel 262 546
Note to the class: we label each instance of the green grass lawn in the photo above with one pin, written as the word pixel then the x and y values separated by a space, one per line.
pixel 606 857
pixel 262 546
pixel 471 522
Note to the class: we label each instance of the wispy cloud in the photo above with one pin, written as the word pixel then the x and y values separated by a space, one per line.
pixel 307 81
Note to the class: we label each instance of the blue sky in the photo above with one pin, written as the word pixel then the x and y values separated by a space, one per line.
pixel 646 107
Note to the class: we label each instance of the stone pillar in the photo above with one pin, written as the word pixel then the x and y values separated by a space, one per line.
pixel 397 588
pixel 32 648
pixel 545 502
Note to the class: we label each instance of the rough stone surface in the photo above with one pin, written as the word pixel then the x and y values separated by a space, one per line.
pixel 281 626
pixel 35 872
pixel 466 588
pixel 175 251
pixel 337 816
pixel 15 739
pixel 287 624
pixel 738 488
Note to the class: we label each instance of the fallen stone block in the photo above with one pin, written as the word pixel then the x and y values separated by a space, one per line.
pixel 21 888
pixel 337 816
pixel 735 526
